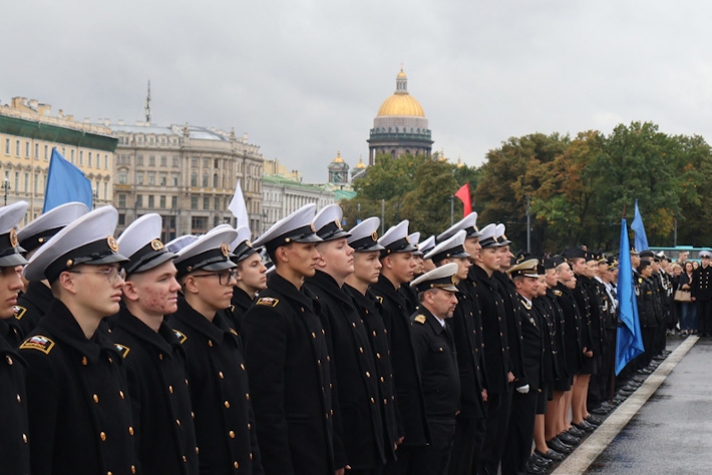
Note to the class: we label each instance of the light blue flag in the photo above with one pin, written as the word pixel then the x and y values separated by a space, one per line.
pixel 641 240
pixel 65 183
pixel 629 341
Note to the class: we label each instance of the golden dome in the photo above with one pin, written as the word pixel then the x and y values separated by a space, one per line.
pixel 360 165
pixel 401 103
pixel 338 158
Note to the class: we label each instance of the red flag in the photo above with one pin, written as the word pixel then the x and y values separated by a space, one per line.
pixel 464 195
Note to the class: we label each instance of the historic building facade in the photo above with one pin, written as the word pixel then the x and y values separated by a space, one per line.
pixel 282 196
pixel 187 174
pixel 29 132
pixel 400 126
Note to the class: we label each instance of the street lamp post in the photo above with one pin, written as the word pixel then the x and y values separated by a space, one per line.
pixel 6 188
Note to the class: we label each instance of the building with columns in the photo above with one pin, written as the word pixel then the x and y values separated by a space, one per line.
pixel 185 173
pixel 400 127
pixel 29 132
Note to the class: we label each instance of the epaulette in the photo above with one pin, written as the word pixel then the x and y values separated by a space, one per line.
pixel 181 337
pixel 558 293
pixel 123 350
pixel 38 342
pixel 267 301
pixel 19 312
pixel 420 319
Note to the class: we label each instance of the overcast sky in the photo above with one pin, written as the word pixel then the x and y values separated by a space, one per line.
pixel 306 78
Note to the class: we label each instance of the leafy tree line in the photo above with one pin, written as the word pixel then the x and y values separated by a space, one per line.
pixel 578 188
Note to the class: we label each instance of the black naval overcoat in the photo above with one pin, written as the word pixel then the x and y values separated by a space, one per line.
pixel 32 305
pixel 354 371
pixel 573 329
pixel 220 393
pixel 289 367
pixel 514 327
pixel 14 428
pixel 370 312
pixel 409 393
pixel 77 399
pixel 158 385
pixel 11 332
pixel 239 304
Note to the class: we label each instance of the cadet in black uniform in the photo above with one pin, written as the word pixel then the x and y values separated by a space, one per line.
pixel 14 429
pixel 406 291
pixel 647 309
pixel 34 302
pixel 367 265
pixel 217 376
pixel 435 353
pixel 350 349
pixel 467 330
pixel 251 276
pixel 398 267
pixel 77 398
pixel 288 360
pixel 153 356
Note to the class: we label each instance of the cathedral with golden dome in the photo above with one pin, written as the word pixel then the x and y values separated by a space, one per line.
pixel 400 126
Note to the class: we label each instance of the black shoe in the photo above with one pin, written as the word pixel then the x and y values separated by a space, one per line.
pixel 575 432
pixel 639 378
pixel 569 439
pixel 540 460
pixel 601 410
pixel 630 387
pixel 534 469
pixel 593 420
pixel 550 455
pixel 559 446
pixel 584 426
pixel 644 371
pixel 625 392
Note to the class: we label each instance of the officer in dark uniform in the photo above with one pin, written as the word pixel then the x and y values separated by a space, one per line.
pixel 496 350
pixel 435 353
pixel 350 349
pixel 466 327
pixel 251 277
pixel 77 397
pixel 217 375
pixel 408 293
pixel 288 359
pixel 34 302
pixel 398 267
pixel 14 429
pixel 367 265
pixel 153 356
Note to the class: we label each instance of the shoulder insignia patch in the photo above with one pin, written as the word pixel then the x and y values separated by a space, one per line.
pixel 19 312
pixel 420 319
pixel 267 301
pixel 380 299
pixel 558 293
pixel 181 337
pixel 38 342
pixel 123 350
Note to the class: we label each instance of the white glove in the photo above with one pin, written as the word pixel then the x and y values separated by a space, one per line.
pixel 523 389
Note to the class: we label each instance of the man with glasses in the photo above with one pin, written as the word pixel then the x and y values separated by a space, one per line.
pixel 153 356
pixel 702 294
pixel 14 430
pixel 217 377
pixel 77 399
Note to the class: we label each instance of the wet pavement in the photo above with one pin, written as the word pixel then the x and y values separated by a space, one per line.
pixel 672 431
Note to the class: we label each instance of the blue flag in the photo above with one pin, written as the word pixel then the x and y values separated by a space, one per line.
pixel 641 240
pixel 65 183
pixel 629 341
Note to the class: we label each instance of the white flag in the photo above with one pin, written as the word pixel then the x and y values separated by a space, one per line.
pixel 238 208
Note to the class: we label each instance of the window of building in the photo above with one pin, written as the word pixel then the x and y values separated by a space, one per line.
pixel 151 201
pixel 27 182
pixel 163 179
pixel 17 148
pixel 193 179
pixel 122 200
pixel 206 163
pixel 122 219
pixel 36 183
pixel 81 158
pixel 193 162
pixel 217 204
pixel 106 161
pixel 193 202
pixel 71 154
pixel 7 146
pixel 139 160
pixel 152 161
pixel 163 202
pixel 174 202
pixel 206 202
pixel 37 150
pixel 27 149
pixel 215 180
pixel 216 163
pixel 139 201
pixel 151 178
pixel 46 153
pixel 122 177
pixel 106 190
pixel 164 160
pixel 176 163
pixel 139 178
pixel 174 180
pixel 88 159
pixel 199 224
pixel 205 180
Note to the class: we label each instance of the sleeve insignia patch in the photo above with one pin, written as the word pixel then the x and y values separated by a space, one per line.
pixel 123 350
pixel 38 342
pixel 19 312
pixel 420 319
pixel 181 337
pixel 267 301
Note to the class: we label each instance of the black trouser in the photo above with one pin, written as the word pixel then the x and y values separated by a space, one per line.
pixel 434 459
pixel 498 406
pixel 372 471
pixel 406 460
pixel 520 432
pixel 704 316
pixel 469 436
